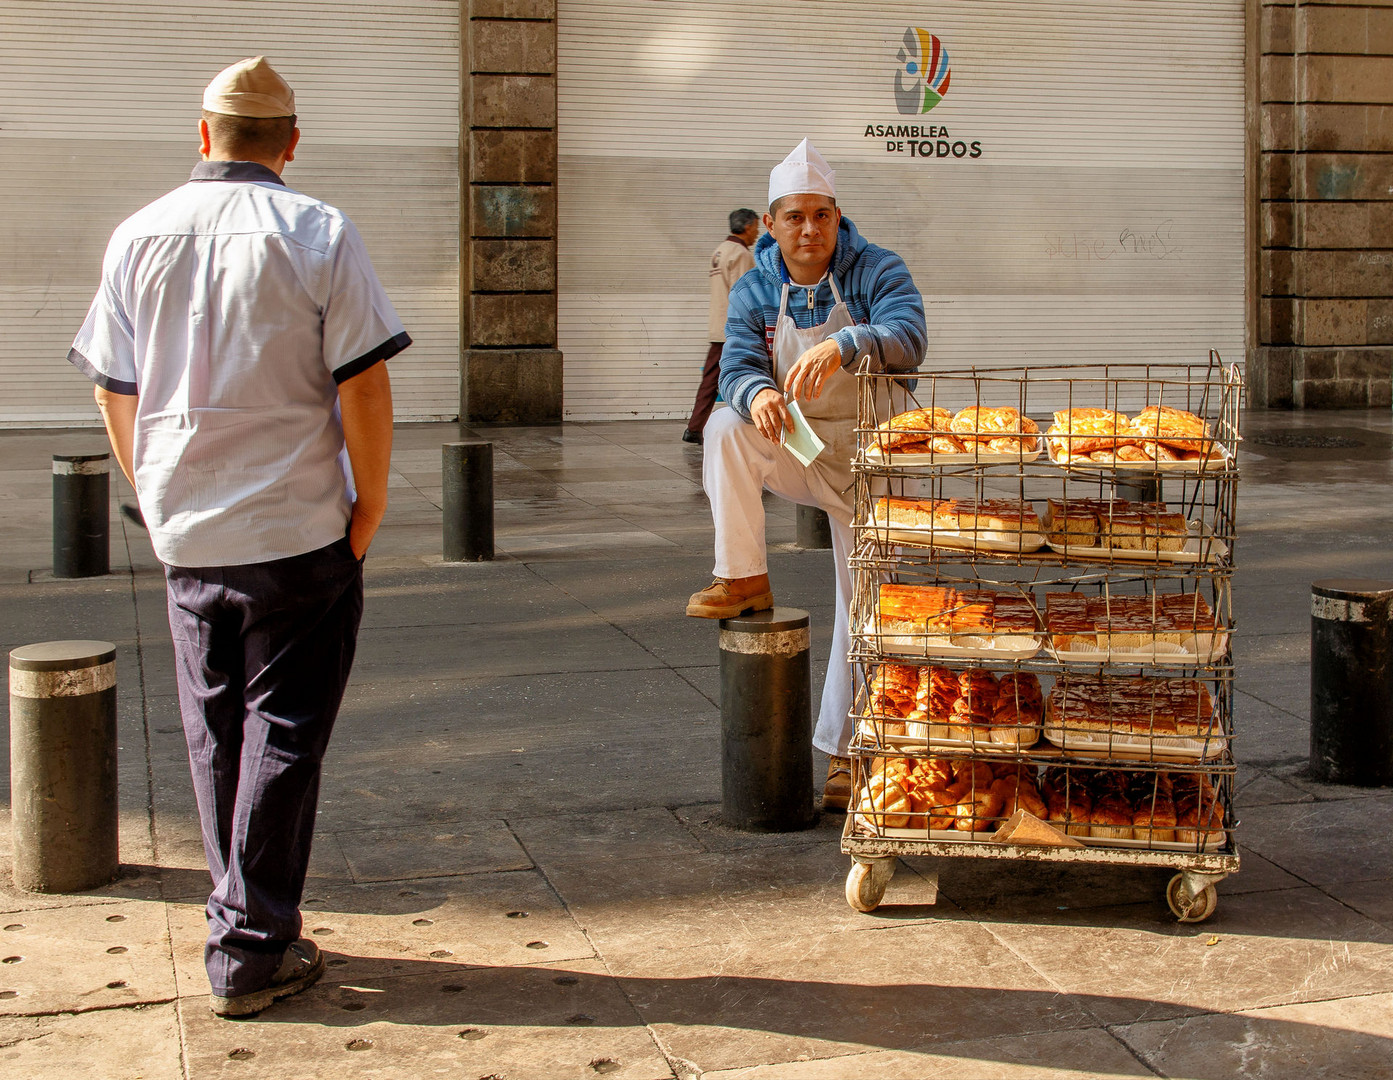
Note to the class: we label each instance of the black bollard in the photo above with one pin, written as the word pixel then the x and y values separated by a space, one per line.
pixel 1138 489
pixel 1352 681
pixel 467 505
pixel 766 722
pixel 63 765
pixel 814 530
pixel 81 515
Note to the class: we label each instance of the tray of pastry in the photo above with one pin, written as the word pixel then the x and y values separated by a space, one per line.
pixel 922 707
pixel 974 524
pixel 1116 529
pixel 938 621
pixel 934 799
pixel 1158 438
pixel 976 435
pixel 1163 628
pixel 963 800
pixel 1133 716
pixel 1142 809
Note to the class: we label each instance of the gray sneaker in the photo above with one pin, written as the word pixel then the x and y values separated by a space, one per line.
pixel 301 967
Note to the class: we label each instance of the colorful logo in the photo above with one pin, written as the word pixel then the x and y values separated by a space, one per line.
pixel 922 80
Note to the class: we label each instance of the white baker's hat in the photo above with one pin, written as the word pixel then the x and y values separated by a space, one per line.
pixel 803 172
pixel 250 87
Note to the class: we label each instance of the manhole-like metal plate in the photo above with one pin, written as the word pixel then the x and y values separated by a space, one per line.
pixel 1305 442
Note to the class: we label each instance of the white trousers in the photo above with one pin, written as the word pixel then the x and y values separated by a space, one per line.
pixel 738 463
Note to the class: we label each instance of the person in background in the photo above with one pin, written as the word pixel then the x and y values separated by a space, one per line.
pixel 729 262
pixel 237 343
pixel 820 302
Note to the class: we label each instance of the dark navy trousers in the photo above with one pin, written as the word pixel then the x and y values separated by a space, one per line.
pixel 262 653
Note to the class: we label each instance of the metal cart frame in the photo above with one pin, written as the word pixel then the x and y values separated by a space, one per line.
pixel 1208 498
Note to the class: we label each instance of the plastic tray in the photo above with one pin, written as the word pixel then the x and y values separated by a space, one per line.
pixel 875 456
pixel 984 540
pixel 1220 464
pixel 1159 653
pixel 999 647
pixel 1137 747
pixel 864 730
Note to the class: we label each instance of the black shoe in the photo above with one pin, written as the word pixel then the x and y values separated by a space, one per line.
pixel 691 436
pixel 301 967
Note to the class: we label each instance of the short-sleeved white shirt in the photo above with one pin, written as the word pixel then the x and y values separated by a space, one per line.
pixel 234 306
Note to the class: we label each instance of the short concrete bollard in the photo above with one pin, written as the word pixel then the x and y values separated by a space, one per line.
pixel 467 503
pixel 814 529
pixel 766 722
pixel 81 515
pixel 63 765
pixel 1138 489
pixel 1352 681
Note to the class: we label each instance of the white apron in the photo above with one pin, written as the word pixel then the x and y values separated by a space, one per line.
pixel 833 415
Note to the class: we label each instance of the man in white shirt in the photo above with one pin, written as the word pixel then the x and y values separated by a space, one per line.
pixel 237 345
pixel 729 262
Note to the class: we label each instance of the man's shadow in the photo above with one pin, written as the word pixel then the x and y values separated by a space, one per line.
pixel 980 1023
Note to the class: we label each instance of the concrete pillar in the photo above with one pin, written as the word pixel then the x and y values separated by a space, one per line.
pixel 766 722
pixel 1352 681
pixel 81 515
pixel 1325 227
pixel 510 367
pixel 63 765
pixel 467 501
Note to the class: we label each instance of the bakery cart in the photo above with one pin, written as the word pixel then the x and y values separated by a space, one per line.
pixel 1042 622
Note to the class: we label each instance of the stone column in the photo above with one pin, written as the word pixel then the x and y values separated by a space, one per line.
pixel 510 367
pixel 1325 325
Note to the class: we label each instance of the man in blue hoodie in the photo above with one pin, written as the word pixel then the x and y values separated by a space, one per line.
pixel 820 301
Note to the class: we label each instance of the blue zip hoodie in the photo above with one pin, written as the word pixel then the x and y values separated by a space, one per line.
pixel 879 294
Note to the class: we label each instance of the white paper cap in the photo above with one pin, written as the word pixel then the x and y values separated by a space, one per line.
pixel 250 87
pixel 803 172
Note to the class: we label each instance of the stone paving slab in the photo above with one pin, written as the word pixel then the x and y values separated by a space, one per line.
pixel 1348 1039
pixel 561 1022
pixel 639 911
pixel 1085 1054
pixel 606 838
pixel 97 956
pixel 813 995
pixel 423 851
pixel 1269 948
pixel 138 1043
pixel 1326 841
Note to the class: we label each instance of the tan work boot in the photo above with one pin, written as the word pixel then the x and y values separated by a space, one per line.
pixel 725 598
pixel 836 792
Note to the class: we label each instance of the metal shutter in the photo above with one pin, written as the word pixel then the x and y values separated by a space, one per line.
pixel 1103 219
pixel 99 108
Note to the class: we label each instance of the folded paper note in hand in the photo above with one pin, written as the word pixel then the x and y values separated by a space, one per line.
pixel 800 440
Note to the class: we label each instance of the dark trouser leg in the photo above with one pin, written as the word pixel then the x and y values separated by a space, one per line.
pixel 706 391
pixel 208 668
pixel 298 627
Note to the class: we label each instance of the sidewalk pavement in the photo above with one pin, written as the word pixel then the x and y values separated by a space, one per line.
pixel 518 872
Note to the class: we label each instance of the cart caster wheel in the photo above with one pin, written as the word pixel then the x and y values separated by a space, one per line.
pixel 1195 909
pixel 866 883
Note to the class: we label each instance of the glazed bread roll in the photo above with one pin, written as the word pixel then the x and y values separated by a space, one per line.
pixel 1153 809
pixel 1175 429
pixel 1019 710
pixel 1079 432
pixel 919 431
